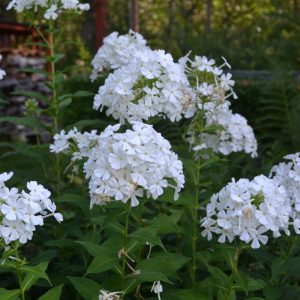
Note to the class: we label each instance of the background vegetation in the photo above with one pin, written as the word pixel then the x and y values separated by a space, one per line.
pixel 252 35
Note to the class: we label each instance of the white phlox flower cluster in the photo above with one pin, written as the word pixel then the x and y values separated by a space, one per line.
pixel 288 175
pixel 213 88
pixel 248 210
pixel 117 51
pixel 2 72
pixel 209 81
pixel 51 9
pixel 124 166
pixel 78 145
pixel 147 83
pixel 231 132
pixel 22 211
pixel 151 84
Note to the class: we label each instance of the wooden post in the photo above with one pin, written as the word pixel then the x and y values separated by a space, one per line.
pixel 100 11
pixel 133 19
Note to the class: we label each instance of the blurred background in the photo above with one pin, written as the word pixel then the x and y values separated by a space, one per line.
pixel 259 38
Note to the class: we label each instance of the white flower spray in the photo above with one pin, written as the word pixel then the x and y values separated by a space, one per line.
pixel 145 83
pixel 22 211
pixel 124 166
pixel 51 9
pixel 249 209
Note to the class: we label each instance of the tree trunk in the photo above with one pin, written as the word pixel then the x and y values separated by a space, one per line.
pixel 100 10
pixel 133 13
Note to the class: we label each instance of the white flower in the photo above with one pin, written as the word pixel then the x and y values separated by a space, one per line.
pixel 202 63
pixel 151 84
pixel 12 208
pixel 287 174
pixel 70 4
pixel 226 81
pixel 157 289
pixel 5 177
pixel 248 209
pixel 51 8
pixel 21 212
pixel 221 130
pixel 125 166
pixel 117 51
pixel 51 12
pixel 206 89
pixel 106 295
pixel 231 133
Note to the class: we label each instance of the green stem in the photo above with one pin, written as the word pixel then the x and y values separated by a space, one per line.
pixel 195 226
pixel 126 225
pixel 234 269
pixel 196 203
pixel 54 98
pixel 19 275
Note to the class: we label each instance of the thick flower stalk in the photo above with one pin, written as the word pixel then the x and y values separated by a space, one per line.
pixel 248 210
pixel 117 51
pixel 124 166
pixel 22 211
pixel 50 9
pixel 2 72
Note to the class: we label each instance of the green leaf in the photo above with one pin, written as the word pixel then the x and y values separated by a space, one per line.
pixel 61 243
pixel 102 263
pixel 93 248
pixel 149 276
pixel 31 94
pixel 33 274
pixel 37 152
pixel 25 121
pixel 87 288
pixel 56 57
pixel 9 294
pixel 40 44
pixel 80 94
pixel 165 263
pixel 255 284
pixel 77 200
pixel 53 294
pixel 219 276
pixel 242 279
pixel 167 224
pixel 63 104
pixel 204 256
pixel 115 227
pixel 147 235
pixel 34 70
pixel 185 295
pixel 190 170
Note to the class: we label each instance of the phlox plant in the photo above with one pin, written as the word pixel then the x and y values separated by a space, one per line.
pixel 141 214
